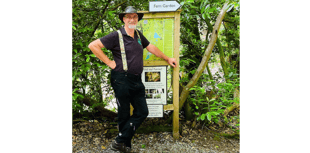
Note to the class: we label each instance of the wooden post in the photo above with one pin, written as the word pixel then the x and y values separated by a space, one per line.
pixel 175 130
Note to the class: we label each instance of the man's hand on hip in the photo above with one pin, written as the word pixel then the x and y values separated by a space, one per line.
pixel 112 64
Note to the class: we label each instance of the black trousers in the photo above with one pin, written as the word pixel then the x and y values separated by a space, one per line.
pixel 129 89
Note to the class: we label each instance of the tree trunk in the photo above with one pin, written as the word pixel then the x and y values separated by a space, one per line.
pixel 209 72
pixel 223 63
pixel 100 110
pixel 219 45
pixel 188 111
pixel 204 62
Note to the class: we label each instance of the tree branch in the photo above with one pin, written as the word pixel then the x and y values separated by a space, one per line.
pixel 100 19
pixel 219 45
pixel 204 61
pixel 223 63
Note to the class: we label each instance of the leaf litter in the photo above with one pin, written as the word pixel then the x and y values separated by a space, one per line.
pixel 96 137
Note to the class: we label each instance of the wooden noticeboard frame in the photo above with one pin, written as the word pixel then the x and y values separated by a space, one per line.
pixel 175 84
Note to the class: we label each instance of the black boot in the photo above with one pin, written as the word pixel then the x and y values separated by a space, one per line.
pixel 120 147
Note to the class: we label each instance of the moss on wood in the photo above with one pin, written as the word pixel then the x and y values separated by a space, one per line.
pixel 156 128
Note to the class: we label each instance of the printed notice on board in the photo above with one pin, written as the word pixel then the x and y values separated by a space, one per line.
pixel 155 110
pixel 155 82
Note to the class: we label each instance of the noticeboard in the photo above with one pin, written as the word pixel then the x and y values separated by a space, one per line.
pixel 155 82
pixel 163 30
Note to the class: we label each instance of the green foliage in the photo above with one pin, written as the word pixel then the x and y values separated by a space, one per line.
pixel 209 101
pixel 88 72
pixel 77 107
pixel 205 108
pixel 212 109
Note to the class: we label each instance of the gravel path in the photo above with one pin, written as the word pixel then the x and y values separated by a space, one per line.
pixel 191 141
pixel 178 146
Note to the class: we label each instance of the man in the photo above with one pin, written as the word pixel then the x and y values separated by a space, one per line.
pixel 127 46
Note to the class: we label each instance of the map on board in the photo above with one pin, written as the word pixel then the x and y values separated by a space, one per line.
pixel 159 32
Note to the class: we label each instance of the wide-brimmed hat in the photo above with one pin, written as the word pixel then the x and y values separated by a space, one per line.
pixel 128 10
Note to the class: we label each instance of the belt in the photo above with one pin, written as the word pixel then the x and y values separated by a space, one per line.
pixel 135 76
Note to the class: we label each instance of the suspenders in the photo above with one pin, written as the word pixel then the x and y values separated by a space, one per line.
pixel 121 43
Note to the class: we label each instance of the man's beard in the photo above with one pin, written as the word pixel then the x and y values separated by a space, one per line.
pixel 132 26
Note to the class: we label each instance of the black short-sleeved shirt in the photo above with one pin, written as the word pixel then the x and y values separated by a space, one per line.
pixel 133 50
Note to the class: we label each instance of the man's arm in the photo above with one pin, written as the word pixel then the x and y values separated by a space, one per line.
pixel 95 47
pixel 154 50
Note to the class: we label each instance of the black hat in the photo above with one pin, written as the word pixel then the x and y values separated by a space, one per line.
pixel 130 9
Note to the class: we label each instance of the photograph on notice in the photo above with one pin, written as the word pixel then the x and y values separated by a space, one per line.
pixel 147 91
pixel 152 76
pixel 148 96
pixel 161 91
pixel 153 91
pixel 157 96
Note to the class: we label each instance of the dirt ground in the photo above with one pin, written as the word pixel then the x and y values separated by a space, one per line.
pixel 96 137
